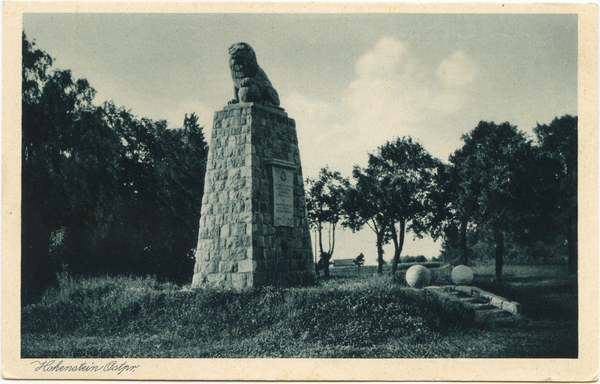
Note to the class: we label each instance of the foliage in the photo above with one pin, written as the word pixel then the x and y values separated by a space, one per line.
pixel 556 189
pixel 491 174
pixel 324 204
pixel 35 64
pixel 101 190
pixel 407 177
pixel 392 195
pixel 534 209
pixel 362 207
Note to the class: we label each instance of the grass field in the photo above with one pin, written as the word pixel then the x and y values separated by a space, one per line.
pixel 345 317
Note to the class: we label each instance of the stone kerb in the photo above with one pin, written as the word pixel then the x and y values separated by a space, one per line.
pixel 253 227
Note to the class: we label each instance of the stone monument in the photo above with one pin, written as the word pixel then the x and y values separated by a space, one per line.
pixel 253 226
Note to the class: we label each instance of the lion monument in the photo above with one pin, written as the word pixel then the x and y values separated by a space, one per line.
pixel 250 82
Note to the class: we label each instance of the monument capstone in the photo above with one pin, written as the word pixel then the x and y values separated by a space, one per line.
pixel 253 226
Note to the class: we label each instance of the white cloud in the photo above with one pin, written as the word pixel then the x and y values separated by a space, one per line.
pixel 382 61
pixel 391 96
pixel 394 93
pixel 457 70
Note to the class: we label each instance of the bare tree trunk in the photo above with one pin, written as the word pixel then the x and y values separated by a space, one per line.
pixel 320 227
pixel 380 234
pixel 332 240
pixel 398 244
pixel 326 257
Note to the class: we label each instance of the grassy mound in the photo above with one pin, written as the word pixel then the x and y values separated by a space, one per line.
pixel 349 319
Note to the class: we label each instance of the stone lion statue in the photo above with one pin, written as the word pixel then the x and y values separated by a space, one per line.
pixel 250 82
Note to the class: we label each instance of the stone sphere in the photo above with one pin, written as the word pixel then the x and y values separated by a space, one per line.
pixel 462 275
pixel 418 276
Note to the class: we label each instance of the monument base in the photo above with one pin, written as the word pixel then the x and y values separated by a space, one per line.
pixel 253 226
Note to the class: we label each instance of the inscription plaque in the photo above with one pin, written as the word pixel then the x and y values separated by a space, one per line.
pixel 283 197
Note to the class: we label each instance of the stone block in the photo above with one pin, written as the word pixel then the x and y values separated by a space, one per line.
pixel 225 254
pixel 210 267
pixel 228 266
pixel 216 279
pixel 239 280
pixel 198 280
pixel 224 231
pixel 512 307
pixel 245 265
pixel 246 171
pixel 215 256
pixel 238 229
pixel 202 256
pixel 246 241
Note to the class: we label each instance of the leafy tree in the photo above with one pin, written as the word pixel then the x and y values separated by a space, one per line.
pixel 324 204
pixel 101 190
pixel 164 169
pixel 456 205
pixel 392 195
pixel 407 173
pixel 492 172
pixel 68 164
pixel 362 205
pixel 557 187
pixel 35 64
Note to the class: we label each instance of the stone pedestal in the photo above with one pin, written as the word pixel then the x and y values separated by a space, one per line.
pixel 253 228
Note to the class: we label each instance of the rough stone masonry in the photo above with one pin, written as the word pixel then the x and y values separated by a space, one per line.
pixel 253 226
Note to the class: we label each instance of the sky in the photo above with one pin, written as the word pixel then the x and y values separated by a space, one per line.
pixel 352 81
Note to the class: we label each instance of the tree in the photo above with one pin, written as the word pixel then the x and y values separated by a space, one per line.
pixel 35 64
pixel 324 204
pixel 448 218
pixel 557 190
pixel 392 195
pixel 491 172
pixel 68 163
pixel 102 191
pixel 407 174
pixel 164 169
pixel 362 204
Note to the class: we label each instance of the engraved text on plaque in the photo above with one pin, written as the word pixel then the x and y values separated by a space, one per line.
pixel 283 197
